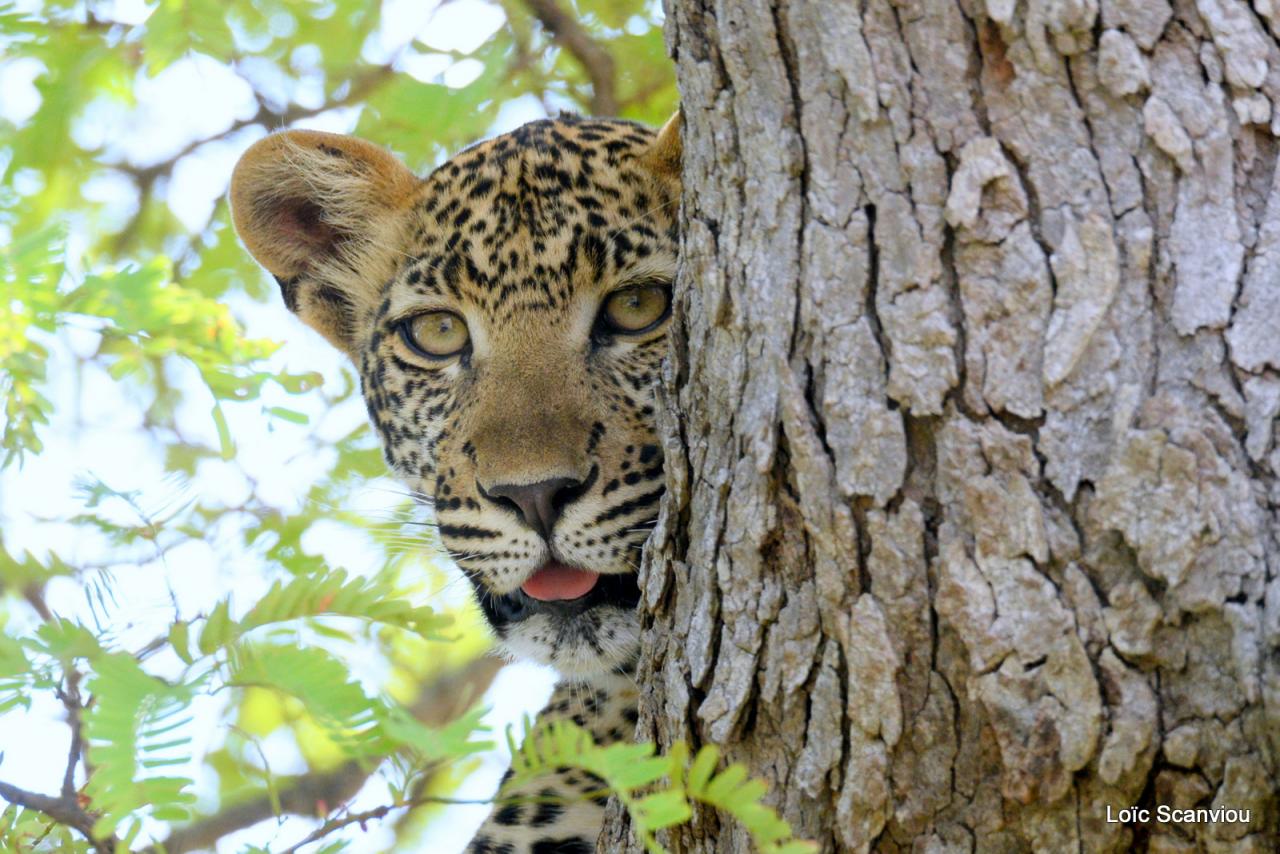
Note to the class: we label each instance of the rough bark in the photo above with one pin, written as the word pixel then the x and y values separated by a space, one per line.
pixel 971 527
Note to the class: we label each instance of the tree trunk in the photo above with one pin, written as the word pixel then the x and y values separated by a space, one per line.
pixel 971 526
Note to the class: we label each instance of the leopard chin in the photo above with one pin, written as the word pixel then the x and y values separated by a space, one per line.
pixel 594 634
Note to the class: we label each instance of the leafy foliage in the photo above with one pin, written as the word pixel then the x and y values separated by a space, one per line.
pixel 31 832
pixel 633 774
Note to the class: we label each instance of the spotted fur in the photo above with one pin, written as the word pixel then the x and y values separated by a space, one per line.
pixel 524 237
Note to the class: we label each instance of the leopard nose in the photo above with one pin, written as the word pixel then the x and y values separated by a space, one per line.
pixel 539 503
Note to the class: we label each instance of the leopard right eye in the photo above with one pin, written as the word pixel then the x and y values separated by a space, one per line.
pixel 435 335
pixel 636 309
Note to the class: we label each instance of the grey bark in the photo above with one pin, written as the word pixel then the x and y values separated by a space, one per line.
pixel 971 526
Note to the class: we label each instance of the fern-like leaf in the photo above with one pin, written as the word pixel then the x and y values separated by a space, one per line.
pixel 733 792
pixel 130 730
pixel 64 640
pixel 450 742
pixel 318 680
pixel 624 768
pixel 631 772
pixel 316 595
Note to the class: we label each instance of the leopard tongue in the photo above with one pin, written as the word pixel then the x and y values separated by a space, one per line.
pixel 555 581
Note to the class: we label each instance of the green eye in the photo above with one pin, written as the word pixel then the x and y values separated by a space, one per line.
pixel 436 334
pixel 638 308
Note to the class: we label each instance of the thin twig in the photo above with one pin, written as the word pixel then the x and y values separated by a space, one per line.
pixel 35 598
pixel 361 87
pixel 70 697
pixel 361 818
pixel 333 824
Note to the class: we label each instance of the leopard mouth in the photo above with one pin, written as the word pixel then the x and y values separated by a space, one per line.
pixel 559 582
pixel 561 592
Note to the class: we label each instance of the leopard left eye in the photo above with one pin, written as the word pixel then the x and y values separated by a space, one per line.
pixel 636 309
pixel 435 335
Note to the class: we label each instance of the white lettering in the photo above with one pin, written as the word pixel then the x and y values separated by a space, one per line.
pixel 1217 815
pixel 1128 815
pixel 1170 815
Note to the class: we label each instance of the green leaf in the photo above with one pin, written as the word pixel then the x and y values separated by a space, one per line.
pixel 218 629
pixel 704 765
pixel 67 640
pixel 662 809
pixel 293 416
pixel 180 640
pixel 225 444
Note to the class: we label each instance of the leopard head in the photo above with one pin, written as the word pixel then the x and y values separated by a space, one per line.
pixel 506 315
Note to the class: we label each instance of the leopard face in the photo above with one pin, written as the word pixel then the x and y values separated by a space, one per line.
pixel 507 317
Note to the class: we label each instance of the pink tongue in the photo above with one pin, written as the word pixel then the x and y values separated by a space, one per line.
pixel 557 581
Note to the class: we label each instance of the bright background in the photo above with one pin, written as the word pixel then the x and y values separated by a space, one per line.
pixel 172 435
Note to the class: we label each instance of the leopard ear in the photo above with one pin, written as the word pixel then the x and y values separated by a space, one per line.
pixel 665 153
pixel 325 214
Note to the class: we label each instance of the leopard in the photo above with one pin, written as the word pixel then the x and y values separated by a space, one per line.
pixel 507 316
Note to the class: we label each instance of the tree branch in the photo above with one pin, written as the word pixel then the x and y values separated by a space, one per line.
pixel 65 810
pixel 596 60
pixel 296 795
